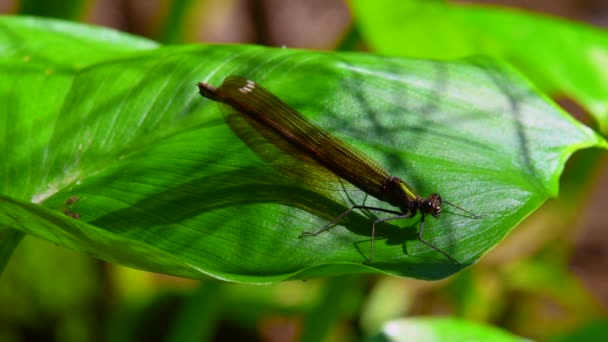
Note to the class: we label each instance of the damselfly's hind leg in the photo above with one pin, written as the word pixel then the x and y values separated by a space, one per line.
pixel 344 214
pixel 330 224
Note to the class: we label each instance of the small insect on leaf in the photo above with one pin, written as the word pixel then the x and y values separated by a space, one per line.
pixel 68 204
pixel 72 214
pixel 71 200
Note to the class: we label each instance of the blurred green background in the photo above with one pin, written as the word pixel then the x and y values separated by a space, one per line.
pixel 546 281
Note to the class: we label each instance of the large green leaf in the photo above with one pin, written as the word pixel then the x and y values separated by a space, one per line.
pixel 163 184
pixel 564 58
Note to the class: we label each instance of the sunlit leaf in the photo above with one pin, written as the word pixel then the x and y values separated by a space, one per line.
pixel 441 329
pixel 160 182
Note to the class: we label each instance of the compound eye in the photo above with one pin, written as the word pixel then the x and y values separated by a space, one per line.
pixel 434 204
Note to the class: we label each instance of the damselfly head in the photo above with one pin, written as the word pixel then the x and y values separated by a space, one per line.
pixel 430 205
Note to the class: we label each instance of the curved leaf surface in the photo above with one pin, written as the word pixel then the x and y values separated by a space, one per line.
pixel 562 57
pixel 38 62
pixel 161 183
